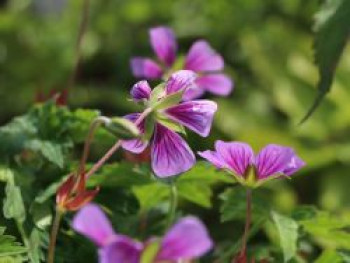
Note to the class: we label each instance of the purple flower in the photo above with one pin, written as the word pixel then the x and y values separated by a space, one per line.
pixel 188 239
pixel 170 154
pixel 201 59
pixel 238 158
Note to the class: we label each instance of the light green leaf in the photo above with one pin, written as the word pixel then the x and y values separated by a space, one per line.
pixel 328 230
pixel 332 28
pixel 328 256
pixel 151 195
pixel 288 233
pixel 9 247
pixel 53 152
pixel 197 193
pixel 13 204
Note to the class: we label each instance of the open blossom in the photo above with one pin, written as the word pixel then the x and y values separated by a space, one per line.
pixel 252 170
pixel 201 59
pixel 170 154
pixel 188 239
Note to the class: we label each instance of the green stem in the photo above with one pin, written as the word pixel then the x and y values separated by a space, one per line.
pixel 173 204
pixel 53 236
pixel 247 222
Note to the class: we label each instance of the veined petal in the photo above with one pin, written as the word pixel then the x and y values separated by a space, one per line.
pixel 91 222
pixel 188 239
pixel 135 145
pixel 202 57
pixel 141 91
pixel 145 68
pixel 170 154
pixel 214 158
pixel 164 44
pixel 196 115
pixel 218 84
pixel 237 155
pixel 294 165
pixel 182 79
pixel 123 250
pixel 194 92
pixel 273 159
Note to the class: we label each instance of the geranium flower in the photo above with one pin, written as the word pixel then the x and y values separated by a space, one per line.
pixel 238 159
pixel 201 59
pixel 170 154
pixel 188 239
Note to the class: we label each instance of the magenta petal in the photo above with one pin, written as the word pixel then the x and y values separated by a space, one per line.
pixel 202 57
pixel 145 68
pixel 294 165
pixel 218 84
pixel 170 154
pixel 164 44
pixel 182 79
pixel 91 222
pixel 273 159
pixel 194 92
pixel 196 115
pixel 141 91
pixel 123 250
pixel 135 145
pixel 237 155
pixel 214 158
pixel 188 239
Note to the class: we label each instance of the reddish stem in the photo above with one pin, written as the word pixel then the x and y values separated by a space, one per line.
pixel 247 223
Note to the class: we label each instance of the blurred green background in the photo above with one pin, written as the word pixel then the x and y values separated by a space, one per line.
pixel 267 47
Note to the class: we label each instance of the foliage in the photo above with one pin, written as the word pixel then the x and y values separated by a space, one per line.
pixel 267 51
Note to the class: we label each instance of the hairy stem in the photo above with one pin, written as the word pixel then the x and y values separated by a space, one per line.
pixel 93 127
pixel 116 146
pixel 53 236
pixel 247 222
pixel 173 204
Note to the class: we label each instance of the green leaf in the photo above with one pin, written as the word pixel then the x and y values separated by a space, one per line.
pixel 42 215
pixel 122 128
pixel 196 184
pixel 13 204
pixel 9 247
pixel 288 233
pixel 53 152
pixel 157 93
pixel 120 174
pixel 328 256
pixel 197 193
pixel 328 230
pixel 332 28
pixel 151 195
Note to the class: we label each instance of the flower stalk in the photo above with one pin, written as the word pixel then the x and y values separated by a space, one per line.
pixel 53 235
pixel 247 222
pixel 173 204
